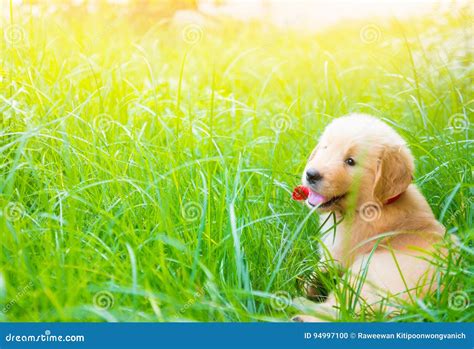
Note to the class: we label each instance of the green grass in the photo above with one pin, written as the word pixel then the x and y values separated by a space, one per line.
pixel 138 166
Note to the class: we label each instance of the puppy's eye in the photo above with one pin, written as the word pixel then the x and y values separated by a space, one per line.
pixel 350 161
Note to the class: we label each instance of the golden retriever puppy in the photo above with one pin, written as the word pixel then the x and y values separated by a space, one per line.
pixel 361 171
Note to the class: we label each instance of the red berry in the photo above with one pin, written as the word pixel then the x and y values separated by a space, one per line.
pixel 300 193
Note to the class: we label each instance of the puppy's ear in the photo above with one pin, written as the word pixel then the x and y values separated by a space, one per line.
pixel 394 172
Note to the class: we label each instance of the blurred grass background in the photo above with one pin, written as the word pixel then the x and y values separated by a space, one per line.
pixel 147 164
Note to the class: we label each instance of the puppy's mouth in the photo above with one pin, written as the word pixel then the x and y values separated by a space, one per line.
pixel 315 199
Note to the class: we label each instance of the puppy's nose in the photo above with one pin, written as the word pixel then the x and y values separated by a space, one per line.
pixel 313 175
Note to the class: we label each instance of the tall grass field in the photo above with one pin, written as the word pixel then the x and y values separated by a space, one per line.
pixel 147 165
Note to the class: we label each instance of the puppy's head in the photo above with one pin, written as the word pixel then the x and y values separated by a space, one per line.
pixel 358 159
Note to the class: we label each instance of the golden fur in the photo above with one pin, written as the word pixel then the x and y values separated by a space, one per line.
pixel 405 230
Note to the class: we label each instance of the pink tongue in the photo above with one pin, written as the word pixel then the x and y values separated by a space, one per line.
pixel 315 199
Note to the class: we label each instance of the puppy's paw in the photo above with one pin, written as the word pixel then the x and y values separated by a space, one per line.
pixel 303 303
pixel 322 312
pixel 306 318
